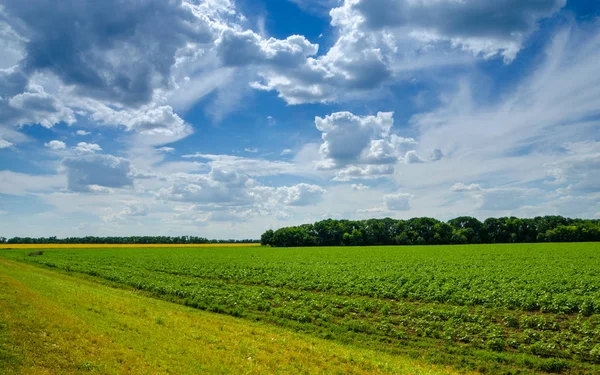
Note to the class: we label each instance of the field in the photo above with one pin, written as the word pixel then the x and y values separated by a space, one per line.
pixel 526 308
pixel 58 324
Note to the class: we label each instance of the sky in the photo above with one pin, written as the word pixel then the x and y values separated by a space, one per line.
pixel 224 119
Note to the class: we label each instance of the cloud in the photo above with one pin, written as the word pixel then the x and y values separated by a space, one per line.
pixel 362 147
pixel 346 137
pixel 23 184
pixel 412 157
pixel 12 82
pixel 250 166
pixel 501 198
pixel 56 145
pixel 290 65
pixel 367 172
pixel 436 155
pixel 397 202
pixel 240 48
pixel 124 62
pixel 11 44
pixel 150 119
pixel 84 147
pixel 354 65
pixel 251 150
pixel 359 187
pixel 131 209
pixel 300 194
pixel 488 28
pixel 525 147
pixel 219 187
pixel 135 209
pixel 226 188
pixel 208 77
pixel 460 187
pixel 271 199
pixel 519 137
pixel 4 143
pixel 230 216
pixel 558 99
pixel 156 53
pixel 35 106
pixel 580 170
pixel 100 189
pixel 379 41
pixel 370 211
pixel 101 170
pixel 576 206
pixel 316 6
pixel 166 150
pixel 198 215
pixel 120 75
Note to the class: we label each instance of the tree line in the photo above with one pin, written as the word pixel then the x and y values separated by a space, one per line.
pixel 429 231
pixel 120 240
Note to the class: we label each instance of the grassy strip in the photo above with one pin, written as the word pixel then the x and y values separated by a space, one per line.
pixel 53 324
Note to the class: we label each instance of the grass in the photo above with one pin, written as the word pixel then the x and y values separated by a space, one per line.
pixel 54 323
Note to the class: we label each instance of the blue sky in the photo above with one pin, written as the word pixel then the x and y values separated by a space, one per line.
pixel 224 119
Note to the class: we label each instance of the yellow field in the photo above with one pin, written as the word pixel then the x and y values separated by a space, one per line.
pixel 52 323
pixel 91 246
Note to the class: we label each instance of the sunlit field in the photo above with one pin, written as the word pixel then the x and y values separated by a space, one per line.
pixel 501 309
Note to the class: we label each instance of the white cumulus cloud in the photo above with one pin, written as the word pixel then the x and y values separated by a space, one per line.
pixel 56 145
pixel 84 147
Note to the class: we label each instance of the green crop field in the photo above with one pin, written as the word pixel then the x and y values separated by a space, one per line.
pixel 501 309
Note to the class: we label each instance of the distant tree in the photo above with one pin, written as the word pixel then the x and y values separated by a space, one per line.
pixel 424 230
pixel 266 238
pixel 469 227
pixel 355 238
